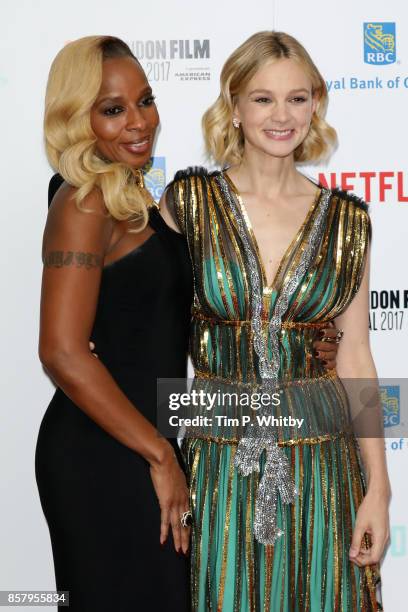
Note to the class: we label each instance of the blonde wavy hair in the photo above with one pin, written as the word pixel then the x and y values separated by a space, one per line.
pixel 224 143
pixel 74 82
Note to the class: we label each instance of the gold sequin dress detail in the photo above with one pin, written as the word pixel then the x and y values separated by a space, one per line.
pixel 273 511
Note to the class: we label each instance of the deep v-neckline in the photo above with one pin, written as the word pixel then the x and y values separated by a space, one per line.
pixel 270 286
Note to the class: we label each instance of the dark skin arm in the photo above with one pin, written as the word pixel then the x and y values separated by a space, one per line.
pixel 74 247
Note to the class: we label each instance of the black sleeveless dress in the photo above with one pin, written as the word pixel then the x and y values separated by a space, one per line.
pixel 97 494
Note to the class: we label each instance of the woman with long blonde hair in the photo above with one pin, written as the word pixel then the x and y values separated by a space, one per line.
pixel 113 491
pixel 283 516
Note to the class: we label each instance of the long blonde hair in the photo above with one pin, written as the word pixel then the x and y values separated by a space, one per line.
pixel 74 82
pixel 224 143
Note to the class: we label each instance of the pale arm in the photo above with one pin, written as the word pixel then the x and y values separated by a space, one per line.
pixel 355 361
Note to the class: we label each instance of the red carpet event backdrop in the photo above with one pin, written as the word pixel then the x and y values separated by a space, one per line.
pixel 361 49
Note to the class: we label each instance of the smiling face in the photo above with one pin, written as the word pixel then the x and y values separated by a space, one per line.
pixel 124 116
pixel 275 108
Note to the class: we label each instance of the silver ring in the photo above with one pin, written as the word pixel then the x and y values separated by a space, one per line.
pixel 335 339
pixel 186 519
pixel 339 336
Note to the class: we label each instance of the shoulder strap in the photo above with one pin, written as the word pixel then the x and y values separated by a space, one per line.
pixel 54 184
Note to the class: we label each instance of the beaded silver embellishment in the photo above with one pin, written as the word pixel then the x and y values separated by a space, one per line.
pixel 276 478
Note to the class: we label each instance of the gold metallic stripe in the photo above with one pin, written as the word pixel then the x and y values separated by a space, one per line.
pixel 334 513
pixel 204 494
pixel 250 553
pixel 324 449
pixel 231 230
pixel 348 525
pixel 216 475
pixel 238 198
pixel 292 257
pixel 217 254
pixel 293 532
pixel 332 272
pixel 241 483
pixel 311 529
pixel 281 443
pixel 224 552
pixel 328 375
pixel 301 576
pixel 218 211
pixel 243 323
pixel 269 549
pixel 336 494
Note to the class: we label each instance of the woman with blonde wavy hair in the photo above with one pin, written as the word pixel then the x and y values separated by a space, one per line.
pixel 283 516
pixel 113 491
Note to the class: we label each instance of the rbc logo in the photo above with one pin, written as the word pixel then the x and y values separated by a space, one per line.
pixel 379 43
pixel 390 399
pixel 155 176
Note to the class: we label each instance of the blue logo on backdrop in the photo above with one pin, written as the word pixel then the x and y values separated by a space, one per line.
pixel 155 176
pixel 379 43
pixel 390 399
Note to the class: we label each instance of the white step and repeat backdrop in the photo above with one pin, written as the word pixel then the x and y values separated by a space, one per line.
pixel 361 49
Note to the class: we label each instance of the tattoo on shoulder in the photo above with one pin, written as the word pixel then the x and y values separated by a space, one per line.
pixel 79 259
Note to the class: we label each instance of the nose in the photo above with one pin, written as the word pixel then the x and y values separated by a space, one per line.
pixel 280 112
pixel 136 119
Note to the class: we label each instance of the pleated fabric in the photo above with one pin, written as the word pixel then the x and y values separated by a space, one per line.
pixel 308 567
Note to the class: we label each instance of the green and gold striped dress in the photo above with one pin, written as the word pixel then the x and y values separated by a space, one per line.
pixel 286 553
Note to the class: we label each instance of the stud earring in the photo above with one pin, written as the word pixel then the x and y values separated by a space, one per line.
pixel 235 122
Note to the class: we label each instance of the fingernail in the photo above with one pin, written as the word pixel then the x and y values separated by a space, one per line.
pixel 353 552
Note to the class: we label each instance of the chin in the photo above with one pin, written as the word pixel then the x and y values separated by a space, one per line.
pixel 280 152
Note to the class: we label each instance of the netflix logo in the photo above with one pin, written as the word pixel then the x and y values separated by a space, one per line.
pixel 385 186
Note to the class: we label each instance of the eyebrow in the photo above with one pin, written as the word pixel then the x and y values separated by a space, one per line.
pixel 113 98
pixel 267 91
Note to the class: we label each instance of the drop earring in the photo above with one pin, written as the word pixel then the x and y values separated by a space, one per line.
pixel 235 122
